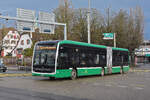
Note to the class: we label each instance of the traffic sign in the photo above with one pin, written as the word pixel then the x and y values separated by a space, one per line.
pixel 108 36
pixel 47 17
pixel 25 26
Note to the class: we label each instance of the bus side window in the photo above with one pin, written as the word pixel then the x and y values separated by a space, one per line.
pixel 120 58
pixel 125 58
pixel 102 54
pixel 102 60
pixel 92 59
pixel 63 59
pixel 74 57
pixel 114 58
pixel 97 59
pixel 82 59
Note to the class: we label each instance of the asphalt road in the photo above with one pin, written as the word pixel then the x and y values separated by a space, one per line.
pixel 135 85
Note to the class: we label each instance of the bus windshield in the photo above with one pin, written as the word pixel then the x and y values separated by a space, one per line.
pixel 44 59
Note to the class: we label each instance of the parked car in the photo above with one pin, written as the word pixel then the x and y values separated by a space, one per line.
pixel 3 68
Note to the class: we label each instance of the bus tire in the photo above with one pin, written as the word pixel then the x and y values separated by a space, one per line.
pixel 73 74
pixel 4 70
pixel 102 72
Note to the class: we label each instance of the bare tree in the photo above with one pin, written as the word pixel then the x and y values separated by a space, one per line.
pixel 64 13
pixel 127 26
pixel 80 25
pixel 2 34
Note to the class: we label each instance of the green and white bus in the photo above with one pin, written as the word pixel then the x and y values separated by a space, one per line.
pixel 65 58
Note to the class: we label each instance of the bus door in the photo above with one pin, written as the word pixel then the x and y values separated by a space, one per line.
pixel 109 59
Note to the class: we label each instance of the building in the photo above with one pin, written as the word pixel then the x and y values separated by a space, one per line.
pixel 14 44
pixel 24 43
pixel 142 54
pixel 9 43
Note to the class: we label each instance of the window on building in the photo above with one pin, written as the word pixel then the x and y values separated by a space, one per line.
pixel 15 36
pixel 19 51
pixel 28 41
pixel 11 36
pixel 7 41
pixel 13 42
pixel 22 42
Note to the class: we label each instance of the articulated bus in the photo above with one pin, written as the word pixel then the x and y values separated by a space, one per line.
pixel 65 58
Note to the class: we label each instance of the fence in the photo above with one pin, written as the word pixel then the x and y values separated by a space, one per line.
pixel 27 61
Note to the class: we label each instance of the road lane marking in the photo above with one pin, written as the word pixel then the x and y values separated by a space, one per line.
pixel 15 75
pixel 139 88
pixel 96 84
pixel 122 86
pixel 138 85
pixel 108 85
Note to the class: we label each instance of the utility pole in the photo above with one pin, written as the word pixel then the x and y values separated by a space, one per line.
pixel 88 21
pixel 145 53
pixel 114 39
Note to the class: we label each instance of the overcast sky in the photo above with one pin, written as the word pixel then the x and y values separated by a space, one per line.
pixel 9 6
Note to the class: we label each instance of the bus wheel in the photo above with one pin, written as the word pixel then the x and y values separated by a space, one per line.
pixel 102 72
pixel 4 70
pixel 73 74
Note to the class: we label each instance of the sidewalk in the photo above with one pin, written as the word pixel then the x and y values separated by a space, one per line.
pixel 14 67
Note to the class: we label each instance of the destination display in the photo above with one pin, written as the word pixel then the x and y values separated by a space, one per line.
pixel 45 48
